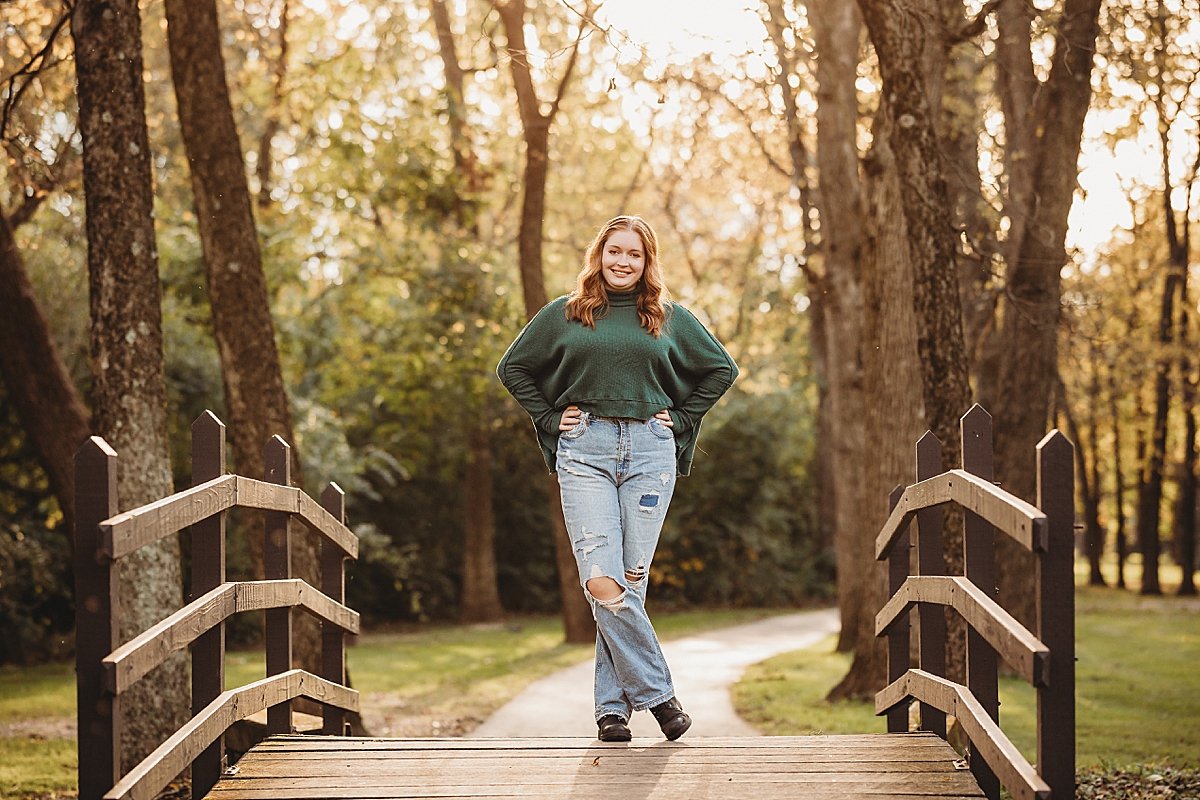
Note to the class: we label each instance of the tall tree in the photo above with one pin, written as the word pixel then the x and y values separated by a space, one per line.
pixel 1043 123
pixel 830 258
pixel 535 126
pixel 480 595
pixel 50 408
pixel 912 62
pixel 843 239
pixel 255 397
pixel 128 390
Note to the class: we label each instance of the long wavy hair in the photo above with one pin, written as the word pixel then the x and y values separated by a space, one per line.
pixel 590 300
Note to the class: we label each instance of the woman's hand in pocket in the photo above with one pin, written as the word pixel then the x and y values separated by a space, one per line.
pixel 570 418
pixel 664 417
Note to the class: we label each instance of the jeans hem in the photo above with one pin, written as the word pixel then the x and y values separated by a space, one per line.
pixel 623 713
pixel 660 699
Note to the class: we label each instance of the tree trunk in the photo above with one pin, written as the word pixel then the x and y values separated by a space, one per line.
pixel 892 420
pixel 1086 456
pixel 837 88
pixel 535 124
pixel 912 66
pixel 128 390
pixel 1044 124
pixel 48 405
pixel 274 120
pixel 255 398
pixel 480 594
pixel 1185 518
pixel 1118 480
pixel 842 243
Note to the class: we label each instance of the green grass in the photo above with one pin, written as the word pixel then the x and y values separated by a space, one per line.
pixel 1137 686
pixel 47 690
pixel 36 767
pixel 442 671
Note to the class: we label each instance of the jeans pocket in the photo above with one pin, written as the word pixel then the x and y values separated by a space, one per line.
pixel 578 430
pixel 659 429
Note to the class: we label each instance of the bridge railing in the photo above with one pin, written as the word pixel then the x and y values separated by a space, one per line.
pixel 106 669
pixel 1045 658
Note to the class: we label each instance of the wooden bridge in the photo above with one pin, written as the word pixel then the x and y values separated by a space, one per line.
pixel 899 764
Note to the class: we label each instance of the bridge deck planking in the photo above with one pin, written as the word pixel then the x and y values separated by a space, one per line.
pixel 892 766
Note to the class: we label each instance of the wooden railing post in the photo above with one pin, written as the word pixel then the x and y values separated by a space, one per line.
pixel 1056 614
pixel 898 634
pixel 979 558
pixel 931 561
pixel 333 583
pixel 277 565
pixel 96 610
pixel 208 572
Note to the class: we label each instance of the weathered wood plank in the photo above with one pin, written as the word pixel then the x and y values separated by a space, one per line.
pixel 887 742
pixel 803 757
pixel 208 573
pixel 979 564
pixel 483 769
pixel 277 565
pixel 267 496
pixel 1020 648
pixel 170 758
pixel 333 585
pixel 708 792
pixel 132 660
pixel 1013 516
pixel 931 646
pixel 1054 574
pixel 597 776
pixel 96 619
pixel 124 533
pixel 901 632
pixel 898 767
pixel 1015 773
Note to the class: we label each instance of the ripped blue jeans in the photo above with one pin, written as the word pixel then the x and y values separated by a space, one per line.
pixel 616 477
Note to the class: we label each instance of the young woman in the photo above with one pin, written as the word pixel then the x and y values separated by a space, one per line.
pixel 617 378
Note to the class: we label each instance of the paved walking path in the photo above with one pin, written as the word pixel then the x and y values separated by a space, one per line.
pixel 704 667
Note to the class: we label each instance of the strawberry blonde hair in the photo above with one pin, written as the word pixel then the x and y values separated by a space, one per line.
pixel 590 299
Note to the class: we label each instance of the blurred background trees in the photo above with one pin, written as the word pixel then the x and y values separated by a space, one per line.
pixel 392 156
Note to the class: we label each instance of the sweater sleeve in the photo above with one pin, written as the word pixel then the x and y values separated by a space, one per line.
pixel 708 365
pixel 526 359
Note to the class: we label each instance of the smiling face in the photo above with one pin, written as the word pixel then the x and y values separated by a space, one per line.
pixel 622 260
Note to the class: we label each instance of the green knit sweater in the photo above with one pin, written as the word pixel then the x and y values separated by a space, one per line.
pixel 617 369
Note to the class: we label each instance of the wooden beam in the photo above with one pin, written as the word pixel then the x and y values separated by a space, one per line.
pixel 986 738
pixel 96 627
pixel 333 584
pixel 208 572
pixel 1055 580
pixel 125 533
pixel 931 644
pixel 979 565
pixel 272 497
pixel 173 756
pixel 899 635
pixel 1020 648
pixel 277 565
pixel 132 660
pixel 1018 519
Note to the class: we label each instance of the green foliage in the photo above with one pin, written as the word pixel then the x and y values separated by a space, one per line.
pixel 742 528
pixel 36 609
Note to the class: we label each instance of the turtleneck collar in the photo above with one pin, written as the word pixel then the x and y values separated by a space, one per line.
pixel 618 299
